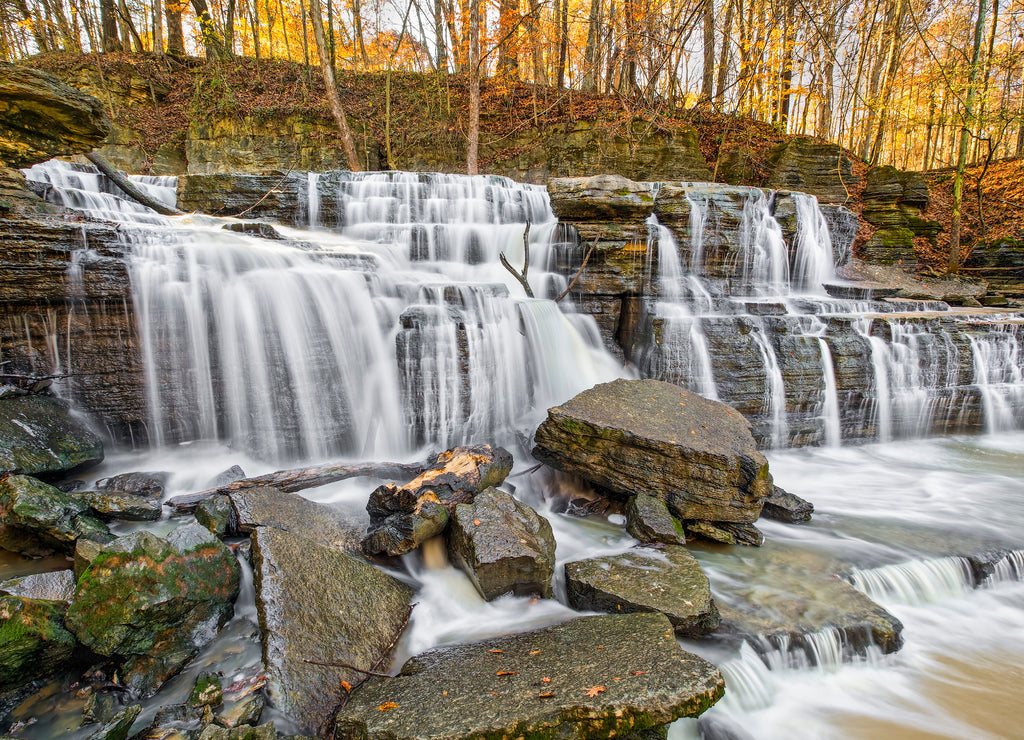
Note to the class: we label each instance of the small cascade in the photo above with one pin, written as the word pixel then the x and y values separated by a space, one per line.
pixel 830 416
pixel 313 199
pixel 775 388
pixel 764 266
pixel 1009 569
pixel 999 376
pixel 813 262
pixel 917 581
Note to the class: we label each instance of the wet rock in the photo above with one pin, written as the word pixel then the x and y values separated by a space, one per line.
pixel 100 707
pixel 403 517
pixel 319 603
pixel 217 515
pixel 783 506
pixel 503 545
pixel 239 712
pixel 254 228
pixel 38 519
pixel 950 289
pixel 173 722
pixel 814 167
pixel 38 436
pixel 33 640
pixel 648 519
pixel 232 474
pixel 119 726
pixel 145 485
pixel 600 198
pixel 153 602
pixel 648 436
pixel 85 552
pixel 207 692
pixel 263 732
pixel 263 506
pixel 500 687
pixel 117 505
pixel 727 533
pixel 669 581
pixel 42 118
pixel 56 586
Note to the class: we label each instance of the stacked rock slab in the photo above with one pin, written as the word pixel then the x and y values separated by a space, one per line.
pixel 894 202
pixel 556 682
pixel 633 436
pixel 609 213
pixel 814 167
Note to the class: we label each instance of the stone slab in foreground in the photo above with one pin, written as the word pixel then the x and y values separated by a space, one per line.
pixel 648 436
pixel 610 676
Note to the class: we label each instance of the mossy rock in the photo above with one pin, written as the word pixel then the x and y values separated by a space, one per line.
pixel 33 641
pixel 38 436
pixel 38 519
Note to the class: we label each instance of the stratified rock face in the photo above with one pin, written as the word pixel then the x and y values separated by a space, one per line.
pixel 500 688
pixel 648 436
pixel 649 520
pixel 813 167
pixel 38 519
pixel 894 202
pixel 42 118
pixel 38 436
pixel 228 194
pixel 644 580
pixel 263 506
pixel 1004 260
pixel 600 198
pixel 33 641
pixel 321 604
pixel 155 601
pixel 503 545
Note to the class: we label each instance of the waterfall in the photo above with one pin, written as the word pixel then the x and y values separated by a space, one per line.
pixel 775 388
pixel 917 581
pixel 998 373
pixel 830 408
pixel 813 263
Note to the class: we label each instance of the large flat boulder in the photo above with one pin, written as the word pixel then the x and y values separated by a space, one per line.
pixel 321 604
pixel 648 436
pixel 669 581
pixel 593 677
pixel 42 118
pixel 600 198
pixel 263 506
pixel 38 436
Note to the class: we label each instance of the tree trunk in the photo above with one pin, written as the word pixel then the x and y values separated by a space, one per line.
pixel 473 145
pixel 707 79
pixel 316 14
pixel 229 28
pixel 212 40
pixel 357 24
pixel 893 60
pixel 592 73
pixel 723 58
pixel 158 27
pixel 508 41
pixel 175 35
pixel 126 186
pixel 563 42
pixel 965 130
pixel 111 39
pixel 441 46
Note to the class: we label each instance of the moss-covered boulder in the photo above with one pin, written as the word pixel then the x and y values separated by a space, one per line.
pixel 153 601
pixel 38 519
pixel 593 677
pixel 894 203
pixel 648 436
pixel 217 515
pixel 322 604
pixel 33 641
pixel 42 118
pixel 117 505
pixel 669 581
pixel 503 545
pixel 38 436
pixel 649 520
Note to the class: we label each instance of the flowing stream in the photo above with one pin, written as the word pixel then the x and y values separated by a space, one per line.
pixel 396 330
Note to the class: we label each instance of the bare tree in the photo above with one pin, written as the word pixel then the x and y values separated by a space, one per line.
pixel 316 14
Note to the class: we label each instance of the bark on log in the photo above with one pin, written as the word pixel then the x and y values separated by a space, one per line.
pixel 130 190
pixel 298 479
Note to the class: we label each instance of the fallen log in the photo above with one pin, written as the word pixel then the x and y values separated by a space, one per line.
pixel 298 479
pixel 130 190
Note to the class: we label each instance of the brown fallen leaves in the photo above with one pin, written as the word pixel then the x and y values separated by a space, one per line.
pixel 507 673
pixel 593 691
pixel 387 706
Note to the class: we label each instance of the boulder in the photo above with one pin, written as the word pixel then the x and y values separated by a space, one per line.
pixel 600 198
pixel 593 677
pixel 207 692
pixel 118 727
pixel 258 229
pixel 728 533
pixel 56 586
pixel 403 517
pixel 648 436
pixel 263 732
pixel 117 505
pixel 648 519
pixel 38 519
pixel 153 602
pixel 321 604
pixel 814 167
pixel 503 545
pixel 33 640
pixel 38 436
pixel 145 485
pixel 669 581
pixel 894 202
pixel 263 506
pixel 42 118
pixel 218 515
pixel 783 506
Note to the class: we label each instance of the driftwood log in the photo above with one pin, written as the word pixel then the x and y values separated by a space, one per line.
pixel 130 190
pixel 298 479
pixel 403 517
